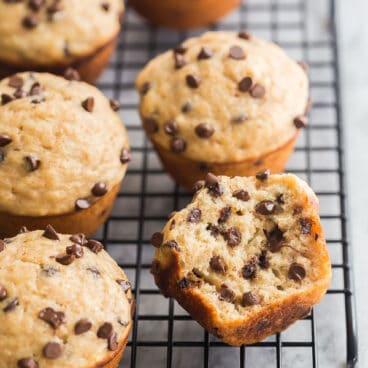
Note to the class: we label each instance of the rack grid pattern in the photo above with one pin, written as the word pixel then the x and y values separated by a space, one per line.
pixel 163 334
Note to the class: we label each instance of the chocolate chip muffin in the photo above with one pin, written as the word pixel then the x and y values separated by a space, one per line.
pixel 247 257
pixel 52 35
pixel 63 154
pixel 64 302
pixel 227 103
pixel 183 14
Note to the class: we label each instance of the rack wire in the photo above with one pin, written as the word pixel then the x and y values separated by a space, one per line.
pixel 163 334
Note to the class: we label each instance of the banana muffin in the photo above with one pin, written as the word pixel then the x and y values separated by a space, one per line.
pixel 227 103
pixel 63 154
pixel 247 257
pixel 183 14
pixel 64 302
pixel 52 35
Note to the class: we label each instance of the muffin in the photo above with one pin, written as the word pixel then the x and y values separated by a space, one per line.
pixel 52 35
pixel 183 14
pixel 64 302
pixel 247 257
pixel 63 154
pixel 227 103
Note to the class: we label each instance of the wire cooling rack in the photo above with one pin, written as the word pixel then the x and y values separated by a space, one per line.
pixel 163 334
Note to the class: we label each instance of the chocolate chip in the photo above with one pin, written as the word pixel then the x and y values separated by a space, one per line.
pixel 214 230
pixel 112 342
pixel 194 215
pixel 236 53
pixel 249 270
pixel 172 244
pixel 55 7
pixel 171 127
pixel 244 35
pixel 88 104
pixel 94 245
pixel 224 214
pixel 193 80
pixel 11 305
pixel 2 245
pixel 242 195
pixel 263 260
pixel 263 175
pixel 19 93
pixel 30 21
pixel 105 6
pixel 187 107
pixel 250 298
pixel 82 326
pixel 180 49
pixel 179 61
pixel 99 189
pixel 4 140
pixel 296 272
pixel 3 293
pixel 226 294
pixel 275 239
pixel 178 145
pixel 5 98
pixel 35 4
pixel 240 119
pixel 151 125
pixel 155 267
pixel 257 91
pixel 300 121
pixel 32 162
pixel 78 239
pixel 105 330
pixel 82 204
pixel 146 86
pixel 65 259
pixel 265 207
pixel 205 53
pixel 72 74
pixel 198 185
pixel 75 249
pixel 245 84
pixel 126 285
pixel 35 89
pixel 52 350
pixel 204 130
pixel 15 82
pixel 233 236
pixel 280 199
pixel 125 156
pixel 49 271
pixel 114 104
pixel 157 239
pixel 186 283
pixel 217 264
pixel 305 225
pixel 213 185
pixel 50 233
pixel 297 210
pixel 27 363
pixel 316 236
pixel 94 271
pixel 52 317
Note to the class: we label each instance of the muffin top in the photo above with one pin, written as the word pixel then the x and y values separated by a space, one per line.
pixel 64 301
pixel 223 97
pixel 62 145
pixel 39 32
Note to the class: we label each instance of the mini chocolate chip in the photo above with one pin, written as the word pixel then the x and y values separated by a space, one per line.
pixel 52 317
pixel 280 199
pixel 249 270
pixel 99 189
pixel 242 195
pixel 257 91
pixel 35 89
pixel 81 204
pixel 112 342
pixel 198 185
pixel 11 305
pixel 296 272
pixel 263 175
pixel 32 162
pixel 78 239
pixel 94 245
pixel 151 125
pixel 239 119
pixel 94 271
pixel 300 121
pixel 105 330
pixel 233 236
pixel 224 214
pixel 171 127
pixel 187 107
pixel 157 239
pixel 52 350
pixel 250 298
pixel 265 207
pixel 172 244
pixel 50 233
pixel 88 104
pixel 15 82
pixel 180 49
pixel 72 74
pixel 305 225
pixel 245 84
pixel 194 215
pixel 275 239
pixel 217 264
pixel 193 80
pixel 178 145
pixel 75 249
pixel 30 21
pixel 65 259
pixel 126 285
pixel 49 271
pixel 226 294
pixel 5 140
pixel 205 53
pixel 214 230
pixel 179 61
pixel 35 4
pixel 3 293
pixel 263 260
pixel 186 283
pixel 125 156
pixel 146 86
pixel 244 35
pixel 105 6
pixel 5 98
pixel 82 326
pixel 114 104
pixel 27 363
pixel 204 130
pixel 236 53
pixel 213 185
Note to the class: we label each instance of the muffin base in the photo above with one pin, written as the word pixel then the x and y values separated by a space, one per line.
pixel 85 221
pixel 183 14
pixel 186 171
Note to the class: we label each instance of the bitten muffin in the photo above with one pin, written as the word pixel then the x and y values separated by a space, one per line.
pixel 64 302
pixel 247 257
pixel 52 35
pixel 183 14
pixel 63 154
pixel 227 103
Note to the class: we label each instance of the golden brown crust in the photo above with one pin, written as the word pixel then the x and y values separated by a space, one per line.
pixel 183 14
pixel 85 221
